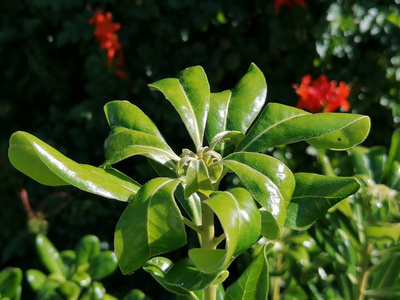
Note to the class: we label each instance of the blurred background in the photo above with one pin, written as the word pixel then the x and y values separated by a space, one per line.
pixel 55 79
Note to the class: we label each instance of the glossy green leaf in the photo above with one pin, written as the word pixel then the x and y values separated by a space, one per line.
pixel 158 268
pixel 271 184
pixel 314 195
pixel 369 161
pixel 184 274
pixel 49 256
pixel 83 279
pixel 95 292
pixel 189 93
pixel 123 143
pixel 394 151
pixel 70 290
pixel 102 265
pixel 280 124
pixel 386 231
pixel 197 178
pixel 240 220
pixel 151 225
pixel 237 109
pixel 35 279
pixel 10 283
pixel 136 295
pixel 87 248
pixel 109 297
pixel 46 165
pixel 125 114
pixel 254 281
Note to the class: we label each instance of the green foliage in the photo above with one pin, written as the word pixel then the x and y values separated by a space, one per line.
pixel 153 223
pixel 72 274
pixel 10 283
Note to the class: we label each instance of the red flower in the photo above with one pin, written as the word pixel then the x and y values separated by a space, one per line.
pixel 322 95
pixel 105 33
pixel 289 3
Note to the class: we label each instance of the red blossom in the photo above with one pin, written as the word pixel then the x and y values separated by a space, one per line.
pixel 288 3
pixel 105 33
pixel 322 95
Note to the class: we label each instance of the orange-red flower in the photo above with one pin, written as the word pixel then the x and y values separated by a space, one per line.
pixel 288 3
pixel 322 95
pixel 105 33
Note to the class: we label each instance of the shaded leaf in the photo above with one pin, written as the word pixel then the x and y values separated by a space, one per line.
pixel 185 275
pixel 46 165
pixel 151 225
pixel 10 283
pixel 158 268
pixel 314 195
pixel 253 282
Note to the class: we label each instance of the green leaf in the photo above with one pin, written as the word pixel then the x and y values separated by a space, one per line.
pixel 369 162
pixel 95 292
pixel 254 281
pixel 197 178
pixel 127 115
pixel 280 124
pixel 387 272
pixel 240 220
pixel 46 165
pixel 49 256
pixel 70 290
pixel 184 274
pixel 269 181
pixel 36 279
pixel 68 257
pixel 49 290
pixel 136 295
pixel 235 136
pixel 87 248
pixel 123 143
pixel 151 225
pixel 102 265
pixel 393 179
pixel 189 93
pixel 10 283
pixel 237 109
pixel 394 151
pixel 394 17
pixel 314 195
pixel 384 231
pixel 83 279
pixel 158 268
pixel 191 205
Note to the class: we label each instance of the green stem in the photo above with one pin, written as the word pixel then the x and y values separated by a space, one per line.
pixel 208 242
pixel 191 225
pixel 363 271
pixel 277 283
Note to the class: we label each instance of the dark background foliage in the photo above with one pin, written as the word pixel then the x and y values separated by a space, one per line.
pixel 54 82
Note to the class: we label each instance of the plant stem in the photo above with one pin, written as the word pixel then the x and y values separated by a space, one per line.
pixel 191 225
pixel 208 242
pixel 364 271
pixel 277 282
